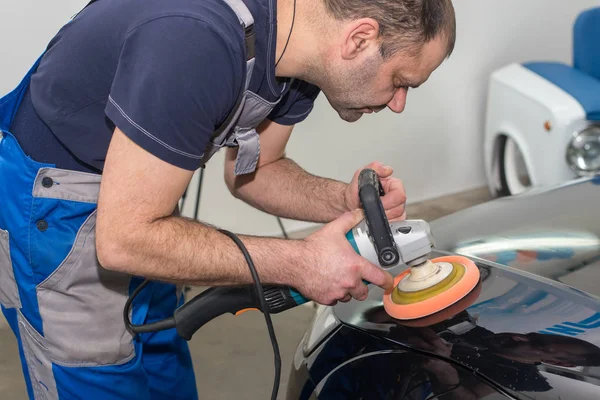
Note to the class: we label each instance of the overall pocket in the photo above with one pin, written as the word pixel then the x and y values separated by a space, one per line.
pixel 81 305
pixel 9 293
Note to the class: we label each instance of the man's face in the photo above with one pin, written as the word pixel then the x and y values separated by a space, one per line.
pixel 368 84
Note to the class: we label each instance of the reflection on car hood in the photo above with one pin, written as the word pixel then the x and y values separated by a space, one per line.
pixel 515 323
pixel 552 232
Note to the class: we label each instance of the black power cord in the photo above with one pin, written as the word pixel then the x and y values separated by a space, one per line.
pixel 265 309
pixel 169 323
pixel 289 35
pixel 161 325
pixel 285 235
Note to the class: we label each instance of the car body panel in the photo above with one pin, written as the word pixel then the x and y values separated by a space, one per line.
pixel 522 333
pixel 352 365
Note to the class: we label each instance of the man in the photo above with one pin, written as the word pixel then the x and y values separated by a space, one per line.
pixel 103 136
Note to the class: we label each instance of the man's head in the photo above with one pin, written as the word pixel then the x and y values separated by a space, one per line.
pixel 372 52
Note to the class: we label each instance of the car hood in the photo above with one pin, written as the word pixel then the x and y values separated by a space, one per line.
pixel 552 232
pixel 513 320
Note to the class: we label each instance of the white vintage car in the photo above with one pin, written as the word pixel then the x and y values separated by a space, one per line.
pixel 543 118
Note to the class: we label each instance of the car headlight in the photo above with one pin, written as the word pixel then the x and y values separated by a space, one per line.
pixel 583 151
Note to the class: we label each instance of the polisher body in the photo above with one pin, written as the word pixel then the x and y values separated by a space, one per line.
pixel 413 239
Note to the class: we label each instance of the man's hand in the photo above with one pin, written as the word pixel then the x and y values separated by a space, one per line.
pixel 332 270
pixel 394 199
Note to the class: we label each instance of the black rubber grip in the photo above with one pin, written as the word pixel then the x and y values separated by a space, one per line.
pixel 211 304
pixel 217 301
pixel 369 192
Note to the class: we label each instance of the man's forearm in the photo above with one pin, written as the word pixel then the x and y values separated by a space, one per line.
pixel 177 249
pixel 283 188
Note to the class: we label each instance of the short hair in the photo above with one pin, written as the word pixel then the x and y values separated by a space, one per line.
pixel 403 24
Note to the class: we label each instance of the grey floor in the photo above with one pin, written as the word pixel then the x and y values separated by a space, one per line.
pixel 233 356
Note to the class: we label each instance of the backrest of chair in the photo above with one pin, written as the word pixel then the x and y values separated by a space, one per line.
pixel 586 42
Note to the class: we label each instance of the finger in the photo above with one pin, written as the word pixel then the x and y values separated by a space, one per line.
pixel 346 299
pixel 347 221
pixel 383 171
pixel 396 213
pixel 400 218
pixel 328 303
pixel 392 184
pixel 377 276
pixel 394 194
pixel 360 292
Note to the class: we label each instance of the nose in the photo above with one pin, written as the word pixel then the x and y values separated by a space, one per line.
pixel 398 102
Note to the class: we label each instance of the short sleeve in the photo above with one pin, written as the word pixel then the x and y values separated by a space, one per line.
pixel 296 104
pixel 177 79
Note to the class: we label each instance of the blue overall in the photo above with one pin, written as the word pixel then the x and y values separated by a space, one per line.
pixel 64 308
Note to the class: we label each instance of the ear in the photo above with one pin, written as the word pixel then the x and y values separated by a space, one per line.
pixel 359 35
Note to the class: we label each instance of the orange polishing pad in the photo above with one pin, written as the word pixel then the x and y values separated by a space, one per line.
pixel 439 302
pixel 446 313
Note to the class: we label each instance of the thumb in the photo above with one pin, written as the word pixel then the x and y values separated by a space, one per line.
pixel 383 170
pixel 347 221
pixel 377 276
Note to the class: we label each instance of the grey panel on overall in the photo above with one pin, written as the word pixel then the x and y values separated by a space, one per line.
pixel 62 184
pixel 9 294
pixel 76 299
pixel 38 361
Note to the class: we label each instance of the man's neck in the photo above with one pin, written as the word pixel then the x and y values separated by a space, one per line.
pixel 302 44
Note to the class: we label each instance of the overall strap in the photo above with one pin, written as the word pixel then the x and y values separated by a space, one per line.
pixel 247 22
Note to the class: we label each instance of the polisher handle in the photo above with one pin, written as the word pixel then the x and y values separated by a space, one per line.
pixel 217 301
pixel 369 192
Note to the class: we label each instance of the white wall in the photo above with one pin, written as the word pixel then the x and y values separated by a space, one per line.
pixel 26 26
pixel 434 146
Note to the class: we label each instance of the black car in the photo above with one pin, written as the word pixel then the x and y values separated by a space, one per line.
pixel 529 330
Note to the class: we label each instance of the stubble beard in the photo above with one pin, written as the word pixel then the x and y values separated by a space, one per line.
pixel 348 90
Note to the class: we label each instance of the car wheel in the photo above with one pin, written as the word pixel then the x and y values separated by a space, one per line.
pixel 514 177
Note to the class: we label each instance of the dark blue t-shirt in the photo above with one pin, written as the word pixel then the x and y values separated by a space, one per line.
pixel 167 73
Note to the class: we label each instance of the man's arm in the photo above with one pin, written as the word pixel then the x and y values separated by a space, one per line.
pixel 281 187
pixel 137 233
